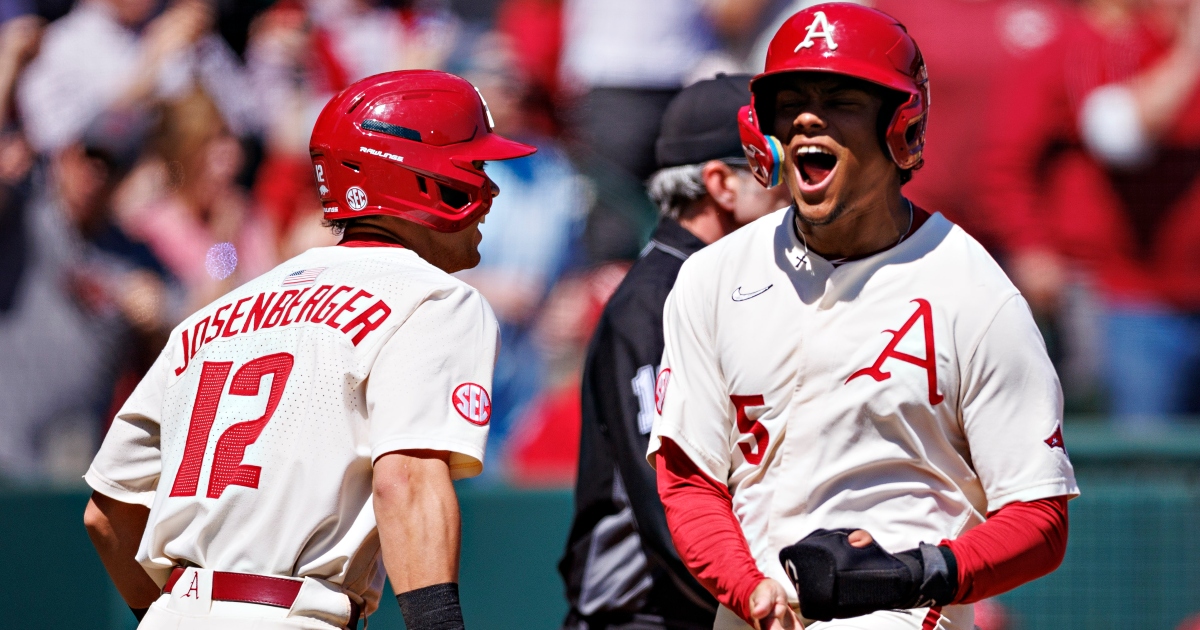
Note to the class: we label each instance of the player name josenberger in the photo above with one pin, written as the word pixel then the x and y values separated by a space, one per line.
pixel 287 308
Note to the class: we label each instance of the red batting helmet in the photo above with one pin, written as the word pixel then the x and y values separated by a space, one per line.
pixel 852 40
pixel 403 144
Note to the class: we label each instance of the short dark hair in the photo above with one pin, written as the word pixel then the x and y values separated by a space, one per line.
pixel 337 225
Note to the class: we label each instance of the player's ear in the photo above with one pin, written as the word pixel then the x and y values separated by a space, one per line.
pixel 721 182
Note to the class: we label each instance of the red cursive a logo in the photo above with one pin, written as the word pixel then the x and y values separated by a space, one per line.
pixel 928 362
pixel 472 402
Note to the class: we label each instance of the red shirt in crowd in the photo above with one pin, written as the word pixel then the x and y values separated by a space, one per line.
pixel 1135 230
pixel 967 44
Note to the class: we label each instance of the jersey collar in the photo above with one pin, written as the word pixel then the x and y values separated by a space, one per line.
pixel 674 239
pixel 369 240
pixel 798 252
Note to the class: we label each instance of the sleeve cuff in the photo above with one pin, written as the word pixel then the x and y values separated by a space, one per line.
pixel 113 490
pixel 466 460
pixel 1041 490
pixel 707 464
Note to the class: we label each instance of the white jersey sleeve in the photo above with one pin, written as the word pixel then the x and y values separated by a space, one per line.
pixel 430 386
pixel 1012 411
pixel 692 396
pixel 129 462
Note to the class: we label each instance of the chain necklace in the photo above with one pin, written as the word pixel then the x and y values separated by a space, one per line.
pixel 804 241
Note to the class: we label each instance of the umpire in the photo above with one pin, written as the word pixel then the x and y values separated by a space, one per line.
pixel 620 568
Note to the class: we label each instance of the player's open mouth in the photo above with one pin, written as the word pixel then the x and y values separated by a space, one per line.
pixel 816 166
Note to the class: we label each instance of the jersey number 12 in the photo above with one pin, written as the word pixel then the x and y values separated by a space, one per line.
pixel 227 467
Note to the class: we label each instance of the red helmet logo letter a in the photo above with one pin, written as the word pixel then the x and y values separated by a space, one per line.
pixel 819 22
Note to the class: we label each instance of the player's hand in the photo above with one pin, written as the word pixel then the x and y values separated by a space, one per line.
pixel 860 538
pixel 842 573
pixel 769 608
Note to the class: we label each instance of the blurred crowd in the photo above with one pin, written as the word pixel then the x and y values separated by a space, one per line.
pixel 153 155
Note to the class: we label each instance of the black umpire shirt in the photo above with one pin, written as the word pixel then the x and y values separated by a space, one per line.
pixel 621 569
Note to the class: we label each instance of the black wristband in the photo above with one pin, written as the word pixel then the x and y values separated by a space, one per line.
pixel 432 608
pixel 938 583
pixel 138 612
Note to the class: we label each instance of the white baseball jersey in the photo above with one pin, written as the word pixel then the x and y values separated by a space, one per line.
pixel 908 393
pixel 253 436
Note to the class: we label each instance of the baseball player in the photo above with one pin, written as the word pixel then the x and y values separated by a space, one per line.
pixel 620 568
pixel 300 434
pixel 858 416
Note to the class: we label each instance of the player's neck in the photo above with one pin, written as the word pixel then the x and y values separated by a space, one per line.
pixel 708 223
pixel 860 230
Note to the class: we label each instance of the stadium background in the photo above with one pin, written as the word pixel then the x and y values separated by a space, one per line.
pixel 153 156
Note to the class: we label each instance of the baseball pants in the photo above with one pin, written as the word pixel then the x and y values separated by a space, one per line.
pixel 189 605
pixel 227 616
pixel 949 618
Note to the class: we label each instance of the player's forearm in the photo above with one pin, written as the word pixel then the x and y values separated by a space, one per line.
pixel 417 513
pixel 116 531
pixel 1019 543
pixel 706 533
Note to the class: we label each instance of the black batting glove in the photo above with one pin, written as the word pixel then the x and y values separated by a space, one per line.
pixel 836 580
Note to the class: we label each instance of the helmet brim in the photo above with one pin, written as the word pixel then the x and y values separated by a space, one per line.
pixel 493 147
pixel 847 68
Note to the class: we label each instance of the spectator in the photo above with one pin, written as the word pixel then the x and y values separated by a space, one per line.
pixel 300 55
pixel 543 449
pixel 18 43
pixel 1094 167
pixel 91 305
pixel 16 160
pixel 967 45
pixel 535 30
pixel 630 57
pixel 194 215
pixel 627 59
pixel 94 59
pixel 529 240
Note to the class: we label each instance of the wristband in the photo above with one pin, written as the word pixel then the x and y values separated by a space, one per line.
pixel 938 571
pixel 432 608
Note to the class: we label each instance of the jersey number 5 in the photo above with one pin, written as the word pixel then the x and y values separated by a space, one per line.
pixel 227 466
pixel 753 428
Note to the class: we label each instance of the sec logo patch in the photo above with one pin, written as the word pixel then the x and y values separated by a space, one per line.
pixel 660 389
pixel 356 198
pixel 472 402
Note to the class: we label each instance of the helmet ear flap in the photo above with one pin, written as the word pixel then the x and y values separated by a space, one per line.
pixel 906 133
pixel 764 152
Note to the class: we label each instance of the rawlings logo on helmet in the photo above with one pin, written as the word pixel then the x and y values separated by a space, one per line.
pixel 429 130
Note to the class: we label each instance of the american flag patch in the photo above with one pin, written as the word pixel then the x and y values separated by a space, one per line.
pixel 304 276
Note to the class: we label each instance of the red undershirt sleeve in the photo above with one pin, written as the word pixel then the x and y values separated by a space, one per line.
pixel 1018 543
pixel 705 531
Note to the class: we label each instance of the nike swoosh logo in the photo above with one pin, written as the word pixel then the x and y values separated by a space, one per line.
pixel 738 296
